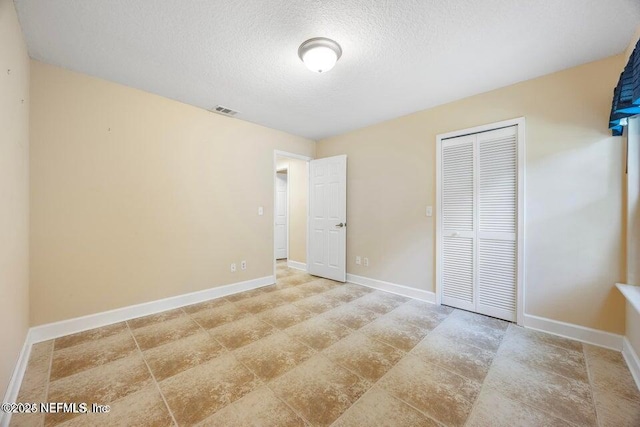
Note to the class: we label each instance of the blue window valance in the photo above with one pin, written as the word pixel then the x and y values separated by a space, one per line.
pixel 626 95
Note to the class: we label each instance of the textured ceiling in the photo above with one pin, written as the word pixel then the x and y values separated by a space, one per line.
pixel 399 56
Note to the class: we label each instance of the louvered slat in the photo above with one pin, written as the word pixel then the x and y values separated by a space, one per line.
pixel 497 274
pixel 497 184
pixel 457 266
pixel 457 188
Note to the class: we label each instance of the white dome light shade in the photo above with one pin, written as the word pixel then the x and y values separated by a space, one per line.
pixel 319 54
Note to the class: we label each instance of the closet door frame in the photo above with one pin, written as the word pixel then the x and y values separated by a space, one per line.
pixel 520 232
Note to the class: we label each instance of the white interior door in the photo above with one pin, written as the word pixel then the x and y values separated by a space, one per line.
pixel 328 217
pixel 281 229
pixel 479 201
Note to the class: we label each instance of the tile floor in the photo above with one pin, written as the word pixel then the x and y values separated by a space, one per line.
pixel 309 351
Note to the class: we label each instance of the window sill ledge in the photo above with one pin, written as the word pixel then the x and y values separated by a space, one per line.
pixel 631 293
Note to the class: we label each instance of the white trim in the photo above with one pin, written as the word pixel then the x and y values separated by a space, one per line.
pixel 520 123
pixel 632 359
pixel 574 332
pixel 482 128
pixel 79 324
pixel 16 379
pixel 288 155
pixel 392 288
pixel 297 265
pixel 631 293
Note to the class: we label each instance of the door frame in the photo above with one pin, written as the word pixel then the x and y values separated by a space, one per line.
pixel 274 167
pixel 520 234
pixel 287 208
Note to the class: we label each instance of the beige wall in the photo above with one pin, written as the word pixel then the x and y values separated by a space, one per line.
pixel 298 194
pixel 136 197
pixel 14 191
pixel 574 192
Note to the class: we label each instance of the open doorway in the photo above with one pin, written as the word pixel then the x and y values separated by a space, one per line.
pixel 291 201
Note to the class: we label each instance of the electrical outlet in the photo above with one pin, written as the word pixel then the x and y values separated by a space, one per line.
pixel 233 267
pixel 260 210
pixel 243 265
pixel 358 260
pixel 366 262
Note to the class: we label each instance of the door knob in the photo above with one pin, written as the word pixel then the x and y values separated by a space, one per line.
pixel 341 225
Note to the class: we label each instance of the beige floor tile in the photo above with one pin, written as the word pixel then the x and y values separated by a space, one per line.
pixel 177 356
pixel 318 303
pixel 380 302
pixel 467 328
pixel 365 356
pixel 609 372
pixel 103 384
pixel 562 397
pixel 525 346
pixel 318 286
pixel 429 306
pixel 71 360
pixel 438 393
pixel 319 390
pixel 214 317
pixel 206 305
pixel 36 377
pixel 480 320
pixel 27 420
pixel 348 292
pixel 396 331
pixel 90 335
pixel 162 332
pixel 250 293
pixel 456 356
pixel 495 409
pixel 285 316
pixel 199 392
pixel 258 408
pixel 241 332
pixel 292 294
pixel 144 408
pixel 307 290
pixel 318 332
pixel 616 411
pixel 351 316
pixel 379 408
pixel 548 339
pixel 296 279
pixel 274 355
pixel 153 319
pixel 420 313
pixel 261 302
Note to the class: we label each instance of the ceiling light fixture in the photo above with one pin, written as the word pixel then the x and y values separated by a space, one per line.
pixel 319 54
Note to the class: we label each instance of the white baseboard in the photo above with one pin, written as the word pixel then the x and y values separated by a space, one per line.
pixel 79 324
pixel 393 288
pixel 297 265
pixel 16 379
pixel 632 359
pixel 574 332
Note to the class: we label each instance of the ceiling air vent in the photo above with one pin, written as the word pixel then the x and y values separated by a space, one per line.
pixel 224 111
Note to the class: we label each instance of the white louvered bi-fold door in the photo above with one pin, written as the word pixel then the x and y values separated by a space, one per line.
pixel 458 236
pixel 479 222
